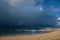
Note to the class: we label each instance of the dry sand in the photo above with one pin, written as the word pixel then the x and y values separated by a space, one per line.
pixel 47 36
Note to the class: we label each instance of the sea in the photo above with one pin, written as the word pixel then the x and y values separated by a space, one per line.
pixel 21 33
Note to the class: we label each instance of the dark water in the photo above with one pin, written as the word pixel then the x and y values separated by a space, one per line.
pixel 20 33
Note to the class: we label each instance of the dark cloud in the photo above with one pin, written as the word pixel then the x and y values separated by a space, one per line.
pixel 25 13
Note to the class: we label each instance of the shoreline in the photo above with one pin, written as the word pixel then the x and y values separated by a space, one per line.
pixel 55 35
pixel 48 36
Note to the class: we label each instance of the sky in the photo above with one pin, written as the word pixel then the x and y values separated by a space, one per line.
pixel 29 12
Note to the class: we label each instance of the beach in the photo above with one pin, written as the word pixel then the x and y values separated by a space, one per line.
pixel 55 35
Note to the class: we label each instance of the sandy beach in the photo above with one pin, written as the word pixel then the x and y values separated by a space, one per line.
pixel 47 36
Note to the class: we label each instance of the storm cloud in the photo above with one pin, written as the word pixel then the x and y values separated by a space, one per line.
pixel 25 12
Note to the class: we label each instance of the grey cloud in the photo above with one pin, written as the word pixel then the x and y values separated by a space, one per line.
pixel 25 13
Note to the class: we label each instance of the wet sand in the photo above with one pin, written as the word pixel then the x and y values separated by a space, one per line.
pixel 55 35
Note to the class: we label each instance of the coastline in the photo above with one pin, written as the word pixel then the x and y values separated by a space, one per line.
pixel 48 36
